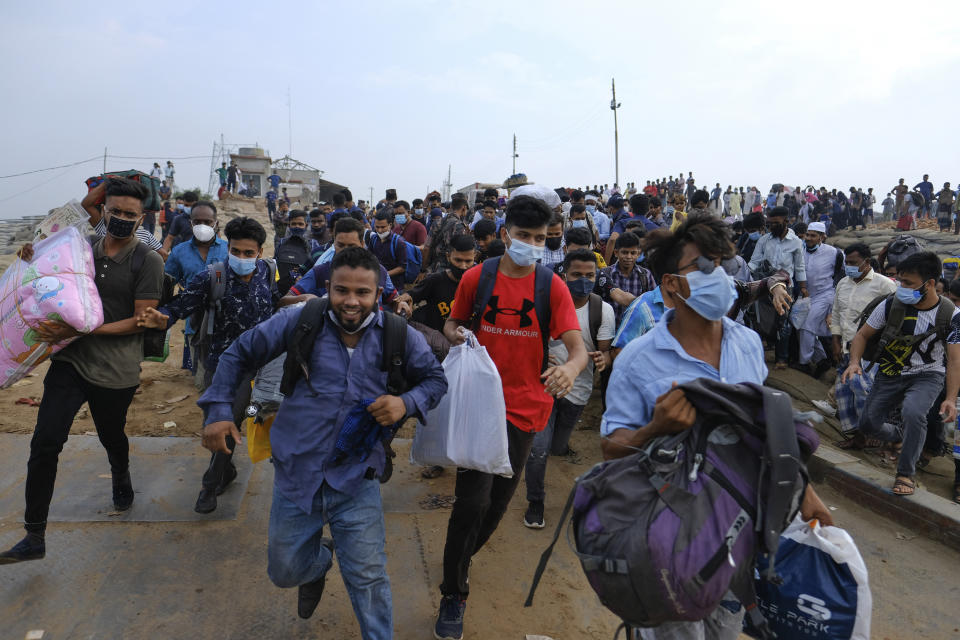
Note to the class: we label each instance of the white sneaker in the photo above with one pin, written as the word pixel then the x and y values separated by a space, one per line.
pixel 825 407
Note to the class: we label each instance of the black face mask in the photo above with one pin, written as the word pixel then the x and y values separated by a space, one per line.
pixel 554 243
pixel 120 228
pixel 457 272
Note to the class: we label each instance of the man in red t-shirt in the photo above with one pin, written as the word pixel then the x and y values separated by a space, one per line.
pixel 510 331
pixel 411 230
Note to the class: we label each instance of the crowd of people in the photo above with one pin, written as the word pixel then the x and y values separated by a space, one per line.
pixel 630 292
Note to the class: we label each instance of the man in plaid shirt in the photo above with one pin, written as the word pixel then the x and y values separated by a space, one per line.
pixel 625 274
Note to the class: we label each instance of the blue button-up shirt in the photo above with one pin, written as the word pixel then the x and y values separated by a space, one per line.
pixel 184 262
pixel 648 366
pixel 306 426
pixel 602 222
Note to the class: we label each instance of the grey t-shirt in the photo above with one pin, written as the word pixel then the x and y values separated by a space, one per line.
pixel 114 361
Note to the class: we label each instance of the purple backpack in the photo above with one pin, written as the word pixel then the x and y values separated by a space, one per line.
pixel 665 533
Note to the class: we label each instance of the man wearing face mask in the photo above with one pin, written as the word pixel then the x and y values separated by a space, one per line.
pixel 389 247
pixel 596 326
pixel 919 334
pixel 600 219
pixel 515 329
pixel 442 233
pixel 693 340
pixel 553 251
pixel 296 253
pixel 408 227
pixel 93 202
pixel 249 296
pixel 181 229
pixel 780 249
pixel 101 368
pixel 823 264
pixel 190 258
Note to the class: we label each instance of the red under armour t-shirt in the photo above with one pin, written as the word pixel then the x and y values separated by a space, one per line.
pixel 513 339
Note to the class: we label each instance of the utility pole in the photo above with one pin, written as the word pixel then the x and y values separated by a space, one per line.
pixel 370 201
pixel 515 156
pixel 290 121
pixel 614 105
pixel 447 185
pixel 104 161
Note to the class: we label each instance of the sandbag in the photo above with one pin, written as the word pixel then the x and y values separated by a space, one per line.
pixel 825 594
pixel 468 429
pixel 58 284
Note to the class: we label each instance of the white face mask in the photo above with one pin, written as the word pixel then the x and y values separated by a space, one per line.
pixel 384 235
pixel 203 232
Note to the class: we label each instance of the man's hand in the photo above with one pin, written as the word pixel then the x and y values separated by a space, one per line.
pixel 26 252
pixel 854 369
pixel 781 300
pixel 388 410
pixel 673 413
pixel 456 335
pixel 599 359
pixel 948 410
pixel 152 319
pixel 403 308
pixel 54 331
pixel 215 436
pixel 803 292
pixel 813 507
pixel 558 380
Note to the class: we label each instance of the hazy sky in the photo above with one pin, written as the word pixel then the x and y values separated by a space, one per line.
pixel 388 94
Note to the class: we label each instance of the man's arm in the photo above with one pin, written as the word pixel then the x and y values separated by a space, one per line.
pixel 757 257
pixel 92 200
pixel 611 242
pixel 948 408
pixel 558 380
pixel 672 413
pixel 857 347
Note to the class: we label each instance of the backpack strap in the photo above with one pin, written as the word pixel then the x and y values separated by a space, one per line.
pixel 545 556
pixel 896 312
pixel 488 278
pixel 744 588
pixel 543 278
pixel 300 345
pixel 394 352
pixel 595 313
pixel 782 457
pixel 272 269
pixel 218 287
pixel 944 317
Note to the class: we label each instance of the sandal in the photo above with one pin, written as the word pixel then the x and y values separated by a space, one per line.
pixel 903 486
pixel 858 441
pixel 891 452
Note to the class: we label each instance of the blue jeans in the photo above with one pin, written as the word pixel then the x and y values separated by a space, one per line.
pixel 553 440
pixel 296 557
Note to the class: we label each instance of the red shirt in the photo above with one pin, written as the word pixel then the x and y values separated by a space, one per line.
pixel 414 233
pixel 513 339
pixel 650 190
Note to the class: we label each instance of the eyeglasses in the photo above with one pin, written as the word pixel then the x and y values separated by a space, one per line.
pixel 120 213
pixel 702 263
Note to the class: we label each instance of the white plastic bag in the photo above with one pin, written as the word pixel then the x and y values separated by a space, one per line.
pixel 468 429
pixel 799 312
pixel 825 593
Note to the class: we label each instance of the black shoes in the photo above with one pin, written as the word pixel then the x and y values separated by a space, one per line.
pixel 32 547
pixel 308 595
pixel 533 519
pixel 122 492
pixel 207 500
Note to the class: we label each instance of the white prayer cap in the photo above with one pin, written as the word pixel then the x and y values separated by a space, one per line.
pixel 546 194
pixel 817 226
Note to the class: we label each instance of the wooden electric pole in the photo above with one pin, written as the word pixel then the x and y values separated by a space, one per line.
pixel 614 105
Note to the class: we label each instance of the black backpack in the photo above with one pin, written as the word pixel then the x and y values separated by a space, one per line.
pixel 292 257
pixel 896 311
pixel 300 347
pixel 901 248
pixel 541 300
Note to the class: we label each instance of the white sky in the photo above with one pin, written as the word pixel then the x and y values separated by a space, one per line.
pixel 834 93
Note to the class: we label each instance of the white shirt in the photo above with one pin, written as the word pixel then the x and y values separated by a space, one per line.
pixel 851 299
pixel 583 385
pixel 928 355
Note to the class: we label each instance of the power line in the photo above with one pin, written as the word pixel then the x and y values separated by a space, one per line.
pixel 158 156
pixel 62 166
pixel 37 186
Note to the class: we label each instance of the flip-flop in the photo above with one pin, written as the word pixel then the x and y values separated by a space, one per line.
pixel 912 485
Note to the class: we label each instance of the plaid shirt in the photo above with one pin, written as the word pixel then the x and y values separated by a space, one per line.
pixel 552 258
pixel 638 282
pixel 852 396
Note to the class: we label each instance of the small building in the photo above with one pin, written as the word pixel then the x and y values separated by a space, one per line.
pixel 255 167
pixel 301 180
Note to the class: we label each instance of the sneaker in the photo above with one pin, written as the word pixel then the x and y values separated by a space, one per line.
pixel 206 501
pixel 122 492
pixel 32 547
pixel 533 518
pixel 825 407
pixel 450 621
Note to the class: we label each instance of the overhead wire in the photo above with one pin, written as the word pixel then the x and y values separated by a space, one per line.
pixel 62 166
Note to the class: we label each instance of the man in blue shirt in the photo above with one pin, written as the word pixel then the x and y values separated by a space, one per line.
pixel 271 199
pixel 693 340
pixel 640 206
pixel 926 190
pixel 275 181
pixel 619 218
pixel 249 297
pixel 389 247
pixel 311 490
pixel 187 259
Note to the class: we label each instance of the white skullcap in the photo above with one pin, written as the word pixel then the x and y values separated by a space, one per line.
pixel 817 226
pixel 546 194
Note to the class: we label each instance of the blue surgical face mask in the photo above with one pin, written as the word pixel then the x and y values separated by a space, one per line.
pixel 400 219
pixel 592 208
pixel 906 295
pixel 242 266
pixel 524 254
pixel 578 224
pixel 711 294
pixel 187 209
pixel 580 288
pixel 852 272
pixel 754 235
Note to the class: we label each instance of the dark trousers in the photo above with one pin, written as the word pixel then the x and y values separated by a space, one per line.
pixel 220 462
pixel 784 330
pixel 482 499
pixel 552 441
pixel 64 392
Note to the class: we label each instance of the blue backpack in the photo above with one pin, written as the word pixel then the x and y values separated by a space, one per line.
pixel 414 257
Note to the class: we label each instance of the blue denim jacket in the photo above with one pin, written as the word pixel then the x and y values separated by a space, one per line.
pixel 305 429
